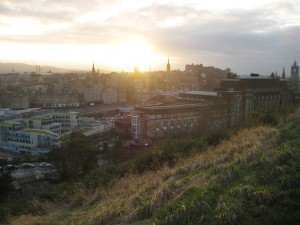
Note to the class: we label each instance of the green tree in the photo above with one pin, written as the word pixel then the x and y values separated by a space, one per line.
pixel 75 158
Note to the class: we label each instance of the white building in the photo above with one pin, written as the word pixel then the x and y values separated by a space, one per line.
pixel 14 138
pixel 30 131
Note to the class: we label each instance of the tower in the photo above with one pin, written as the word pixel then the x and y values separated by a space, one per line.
pixel 294 72
pixel 283 73
pixel 93 72
pixel 168 66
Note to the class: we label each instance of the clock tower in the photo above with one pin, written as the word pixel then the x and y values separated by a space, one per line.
pixel 294 72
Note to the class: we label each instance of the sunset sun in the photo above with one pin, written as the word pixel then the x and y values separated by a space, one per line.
pixel 134 53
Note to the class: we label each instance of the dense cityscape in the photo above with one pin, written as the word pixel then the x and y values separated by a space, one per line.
pixel 128 112
pixel 141 107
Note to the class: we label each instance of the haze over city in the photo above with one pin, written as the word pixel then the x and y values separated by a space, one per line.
pixel 246 36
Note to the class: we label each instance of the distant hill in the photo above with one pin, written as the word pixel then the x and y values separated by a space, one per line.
pixel 22 67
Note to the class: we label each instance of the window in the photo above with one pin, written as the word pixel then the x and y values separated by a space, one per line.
pixel 165 123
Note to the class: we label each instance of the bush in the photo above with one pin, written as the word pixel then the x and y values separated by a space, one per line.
pixel 5 184
pixel 14 206
pixel 60 191
pixel 215 136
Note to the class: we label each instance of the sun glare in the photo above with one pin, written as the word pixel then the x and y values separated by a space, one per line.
pixel 134 53
pixel 120 56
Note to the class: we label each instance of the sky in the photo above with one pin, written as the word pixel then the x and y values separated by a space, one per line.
pixel 257 36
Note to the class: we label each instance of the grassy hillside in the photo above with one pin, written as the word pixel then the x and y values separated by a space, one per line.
pixel 251 178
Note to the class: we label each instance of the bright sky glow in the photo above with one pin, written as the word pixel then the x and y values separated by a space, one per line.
pixel 247 36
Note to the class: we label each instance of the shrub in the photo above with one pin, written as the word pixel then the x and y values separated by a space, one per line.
pixel 215 136
pixel 5 184
pixel 105 175
pixel 58 192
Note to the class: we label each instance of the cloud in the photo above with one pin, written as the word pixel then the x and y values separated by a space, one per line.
pixel 245 40
pixel 187 31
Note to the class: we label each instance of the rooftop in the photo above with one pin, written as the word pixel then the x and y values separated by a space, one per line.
pixel 20 111
pixel 206 93
pixel 41 132
pixel 5 124
pixel 168 108
pixel 42 117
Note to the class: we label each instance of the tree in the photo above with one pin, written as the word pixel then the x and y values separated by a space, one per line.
pixel 5 184
pixel 75 158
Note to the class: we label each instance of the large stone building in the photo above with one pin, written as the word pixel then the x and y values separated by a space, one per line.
pixel 57 99
pixel 230 105
pixel 160 121
pixel 254 94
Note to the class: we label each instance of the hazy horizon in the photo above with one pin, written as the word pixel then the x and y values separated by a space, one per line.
pixel 246 36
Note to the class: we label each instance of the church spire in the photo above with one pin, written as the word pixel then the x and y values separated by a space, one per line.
pixel 168 66
pixel 93 72
pixel 283 73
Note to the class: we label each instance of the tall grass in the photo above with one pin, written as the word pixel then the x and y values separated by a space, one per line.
pixel 251 178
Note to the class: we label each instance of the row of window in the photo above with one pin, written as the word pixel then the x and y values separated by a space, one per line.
pixel 24 147
pixel 63 121
pixel 180 114
pixel 20 140
pixel 55 128
pixel 19 135
pixel 177 123
pixel 61 117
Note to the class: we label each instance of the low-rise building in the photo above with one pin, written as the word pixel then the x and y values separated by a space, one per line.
pixel 39 133
pixel 32 141
pixel 44 122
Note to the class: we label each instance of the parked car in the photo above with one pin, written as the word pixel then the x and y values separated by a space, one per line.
pixel 11 167
pixel 45 165
pixel 27 166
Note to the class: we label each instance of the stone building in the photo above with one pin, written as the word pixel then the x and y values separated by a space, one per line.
pixel 231 105
pixel 295 72
pixel 161 121
pixel 294 83
pixel 14 99
pixel 254 94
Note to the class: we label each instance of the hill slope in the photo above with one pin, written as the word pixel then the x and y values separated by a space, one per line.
pixel 252 178
pixel 22 67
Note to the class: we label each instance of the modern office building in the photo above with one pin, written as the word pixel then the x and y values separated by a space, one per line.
pixel 44 122
pixel 32 141
pixel 34 132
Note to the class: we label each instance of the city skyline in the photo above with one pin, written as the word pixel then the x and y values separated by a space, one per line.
pixel 252 36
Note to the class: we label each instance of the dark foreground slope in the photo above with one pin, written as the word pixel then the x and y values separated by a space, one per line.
pixel 252 178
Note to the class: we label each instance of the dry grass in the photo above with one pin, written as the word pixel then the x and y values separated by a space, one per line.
pixel 26 220
pixel 292 116
pixel 134 197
